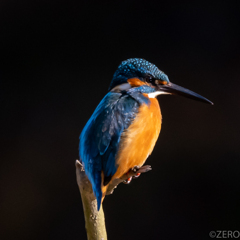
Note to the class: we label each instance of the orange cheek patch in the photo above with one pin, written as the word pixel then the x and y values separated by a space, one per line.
pixel 162 82
pixel 135 82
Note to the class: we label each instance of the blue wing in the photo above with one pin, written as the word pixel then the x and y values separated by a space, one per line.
pixel 99 140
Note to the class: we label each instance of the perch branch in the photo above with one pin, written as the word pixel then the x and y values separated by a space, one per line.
pixel 94 219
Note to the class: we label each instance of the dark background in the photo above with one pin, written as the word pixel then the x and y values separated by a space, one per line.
pixel 57 59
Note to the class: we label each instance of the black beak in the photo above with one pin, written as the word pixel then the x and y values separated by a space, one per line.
pixel 174 89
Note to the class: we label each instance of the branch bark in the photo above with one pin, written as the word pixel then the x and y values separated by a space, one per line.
pixel 94 219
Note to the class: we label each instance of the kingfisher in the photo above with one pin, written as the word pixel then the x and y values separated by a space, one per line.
pixel 123 129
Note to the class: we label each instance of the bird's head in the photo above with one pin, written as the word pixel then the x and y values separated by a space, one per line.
pixel 145 76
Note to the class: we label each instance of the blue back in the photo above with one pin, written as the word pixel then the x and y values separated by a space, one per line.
pixel 99 140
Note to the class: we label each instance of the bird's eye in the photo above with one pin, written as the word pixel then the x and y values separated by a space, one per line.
pixel 149 79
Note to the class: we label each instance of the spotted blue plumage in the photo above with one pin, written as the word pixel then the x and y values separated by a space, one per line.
pixel 136 67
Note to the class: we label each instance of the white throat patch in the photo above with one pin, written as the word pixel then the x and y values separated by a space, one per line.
pixel 154 94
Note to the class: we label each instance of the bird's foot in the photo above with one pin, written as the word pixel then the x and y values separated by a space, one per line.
pixel 129 177
pixel 135 172
pixel 127 181
pixel 137 175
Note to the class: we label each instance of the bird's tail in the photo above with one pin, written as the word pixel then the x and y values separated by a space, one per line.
pixel 96 185
pixel 99 200
pixel 100 190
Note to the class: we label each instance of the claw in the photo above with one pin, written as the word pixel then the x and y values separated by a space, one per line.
pixel 137 175
pixel 128 180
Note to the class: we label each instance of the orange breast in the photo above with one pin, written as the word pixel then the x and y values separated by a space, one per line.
pixel 138 140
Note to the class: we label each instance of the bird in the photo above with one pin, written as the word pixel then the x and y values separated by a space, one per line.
pixel 123 129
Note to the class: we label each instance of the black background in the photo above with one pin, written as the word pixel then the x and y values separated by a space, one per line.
pixel 57 59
